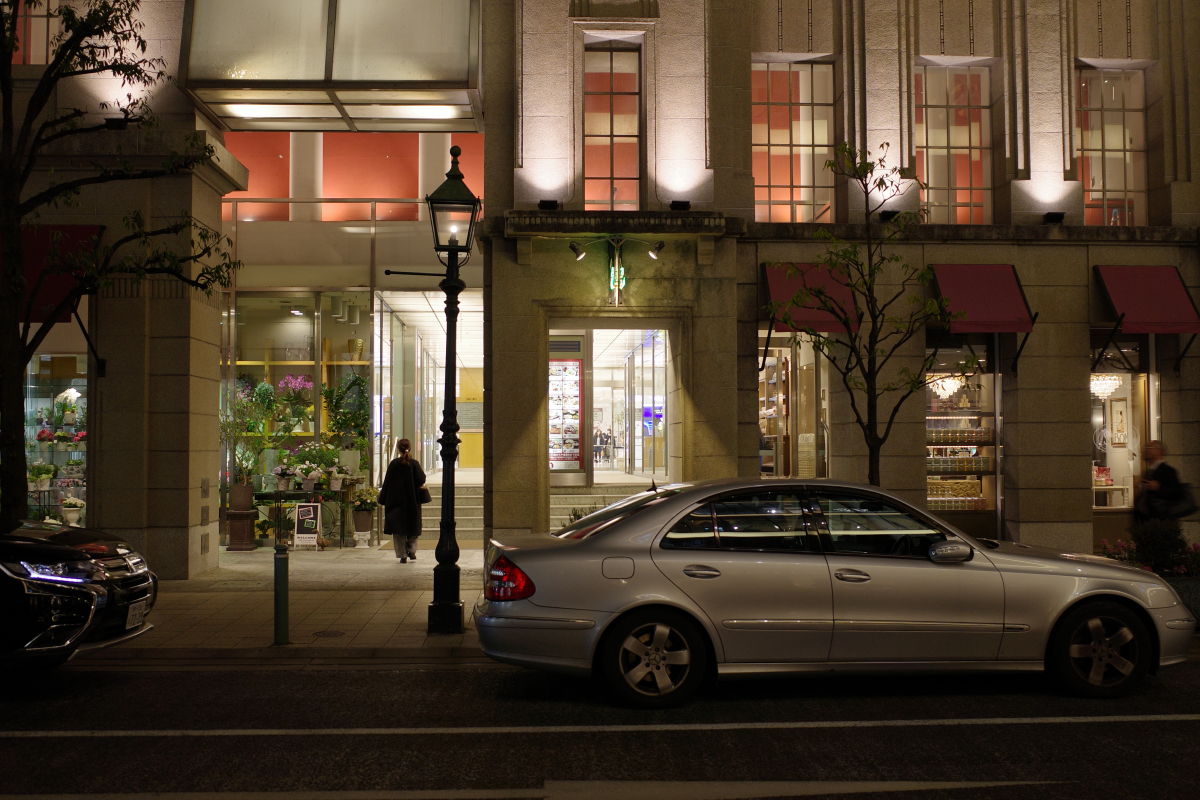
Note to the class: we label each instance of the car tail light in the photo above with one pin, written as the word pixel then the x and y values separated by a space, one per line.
pixel 507 581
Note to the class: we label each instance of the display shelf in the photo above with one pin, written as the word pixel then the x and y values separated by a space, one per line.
pixel 938 437
pixel 960 465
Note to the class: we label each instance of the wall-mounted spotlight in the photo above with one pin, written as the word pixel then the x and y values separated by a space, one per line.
pixel 681 205
pixel 616 262
pixel 549 205
pixel 889 215
pixel 1054 217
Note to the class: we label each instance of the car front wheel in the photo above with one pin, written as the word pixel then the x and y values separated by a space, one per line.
pixel 1100 649
pixel 654 659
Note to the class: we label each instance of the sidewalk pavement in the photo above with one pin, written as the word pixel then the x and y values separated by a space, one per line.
pixel 343 604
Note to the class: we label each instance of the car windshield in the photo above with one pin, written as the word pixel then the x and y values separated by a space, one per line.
pixel 599 520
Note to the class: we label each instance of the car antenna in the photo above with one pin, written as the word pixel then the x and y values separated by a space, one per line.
pixel 653 486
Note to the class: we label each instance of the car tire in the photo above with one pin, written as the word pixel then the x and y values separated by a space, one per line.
pixel 656 658
pixel 1100 649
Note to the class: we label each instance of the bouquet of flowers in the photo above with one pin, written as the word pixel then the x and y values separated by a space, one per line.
pixel 73 502
pixel 366 498
pixel 283 471
pixel 323 455
pixel 338 469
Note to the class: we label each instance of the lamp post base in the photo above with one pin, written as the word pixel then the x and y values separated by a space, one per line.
pixel 445 617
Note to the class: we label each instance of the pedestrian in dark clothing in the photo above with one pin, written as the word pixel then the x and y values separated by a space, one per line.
pixel 1156 533
pixel 401 505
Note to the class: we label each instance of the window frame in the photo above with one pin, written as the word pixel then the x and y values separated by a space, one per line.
pixel 922 150
pixel 792 188
pixel 813 542
pixel 1119 202
pixel 611 46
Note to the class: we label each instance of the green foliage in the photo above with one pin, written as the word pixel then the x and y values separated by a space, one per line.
pixel 349 407
pixel 323 455
pixel 38 471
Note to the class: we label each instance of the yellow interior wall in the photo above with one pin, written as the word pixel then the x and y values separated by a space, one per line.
pixel 470 390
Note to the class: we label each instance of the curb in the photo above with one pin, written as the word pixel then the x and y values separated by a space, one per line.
pixel 244 655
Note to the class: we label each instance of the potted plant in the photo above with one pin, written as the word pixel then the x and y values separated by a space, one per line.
pixel 72 507
pixel 41 474
pixel 309 473
pixel 80 440
pixel 264 528
pixel 337 474
pixel 294 399
pixel 349 410
pixel 235 424
pixel 284 475
pixel 62 440
pixel 45 439
pixel 73 468
pixel 366 500
pixel 68 413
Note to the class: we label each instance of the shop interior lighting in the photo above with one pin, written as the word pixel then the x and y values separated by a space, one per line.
pixel 946 386
pixel 296 312
pixel 1104 384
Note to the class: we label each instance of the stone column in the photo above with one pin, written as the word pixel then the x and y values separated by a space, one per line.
pixel 433 163
pixel 307 165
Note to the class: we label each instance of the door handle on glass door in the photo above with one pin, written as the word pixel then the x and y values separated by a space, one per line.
pixel 701 571
pixel 852 576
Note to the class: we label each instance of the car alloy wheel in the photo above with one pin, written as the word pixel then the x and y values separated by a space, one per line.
pixel 1101 649
pixel 654 658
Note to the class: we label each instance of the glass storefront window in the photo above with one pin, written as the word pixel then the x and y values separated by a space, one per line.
pixel 56 420
pixel 1119 389
pixel 791 410
pixel 961 465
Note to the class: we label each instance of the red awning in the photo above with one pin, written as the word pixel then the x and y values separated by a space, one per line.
pixel 1152 299
pixel 785 281
pixel 983 298
pixel 45 249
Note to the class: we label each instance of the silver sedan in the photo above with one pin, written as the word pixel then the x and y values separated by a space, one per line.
pixel 658 591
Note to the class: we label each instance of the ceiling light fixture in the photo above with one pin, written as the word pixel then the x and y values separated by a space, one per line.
pixel 946 386
pixel 1104 384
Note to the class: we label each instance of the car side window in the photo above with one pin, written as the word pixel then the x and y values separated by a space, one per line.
pixel 872 526
pixel 762 520
pixel 694 532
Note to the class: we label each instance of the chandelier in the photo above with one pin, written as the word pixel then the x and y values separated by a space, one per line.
pixel 1104 384
pixel 946 386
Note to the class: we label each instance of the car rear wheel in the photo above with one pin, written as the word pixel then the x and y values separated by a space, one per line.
pixel 654 659
pixel 1100 649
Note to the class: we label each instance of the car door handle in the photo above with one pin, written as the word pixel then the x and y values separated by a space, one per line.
pixel 852 576
pixel 701 571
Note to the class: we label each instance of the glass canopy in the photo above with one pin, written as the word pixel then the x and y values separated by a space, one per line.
pixel 335 65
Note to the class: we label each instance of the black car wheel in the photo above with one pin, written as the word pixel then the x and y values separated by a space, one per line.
pixel 654 658
pixel 1100 649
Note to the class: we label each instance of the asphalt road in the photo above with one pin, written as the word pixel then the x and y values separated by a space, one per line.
pixel 475 730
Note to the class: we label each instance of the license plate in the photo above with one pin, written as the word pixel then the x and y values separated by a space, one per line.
pixel 137 613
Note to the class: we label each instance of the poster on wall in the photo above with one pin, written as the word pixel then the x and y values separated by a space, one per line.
pixel 1118 429
pixel 566 389
pixel 308 525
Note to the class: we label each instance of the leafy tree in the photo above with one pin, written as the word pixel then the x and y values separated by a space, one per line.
pixel 94 37
pixel 879 301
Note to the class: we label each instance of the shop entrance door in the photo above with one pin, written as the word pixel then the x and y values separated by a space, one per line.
pixel 609 409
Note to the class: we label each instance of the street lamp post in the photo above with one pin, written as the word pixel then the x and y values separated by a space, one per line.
pixel 453 211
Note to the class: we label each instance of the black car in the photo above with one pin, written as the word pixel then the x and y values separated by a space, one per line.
pixel 65 589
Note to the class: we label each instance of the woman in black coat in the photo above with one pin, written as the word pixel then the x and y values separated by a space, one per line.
pixel 401 505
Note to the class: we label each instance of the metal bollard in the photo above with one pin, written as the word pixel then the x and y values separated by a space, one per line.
pixel 281 594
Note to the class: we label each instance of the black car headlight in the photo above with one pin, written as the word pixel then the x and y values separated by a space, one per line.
pixel 60 572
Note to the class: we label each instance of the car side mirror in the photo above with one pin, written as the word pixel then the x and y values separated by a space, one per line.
pixel 950 552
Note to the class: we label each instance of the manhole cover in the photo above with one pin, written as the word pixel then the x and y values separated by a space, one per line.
pixel 329 634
